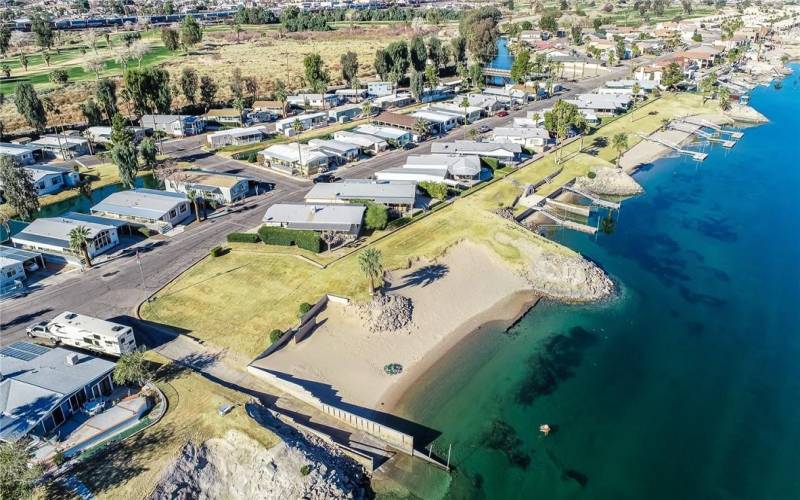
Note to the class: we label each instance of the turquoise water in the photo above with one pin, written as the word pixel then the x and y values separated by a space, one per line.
pixel 684 386
pixel 503 60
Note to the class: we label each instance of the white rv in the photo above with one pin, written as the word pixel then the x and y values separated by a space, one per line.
pixel 86 332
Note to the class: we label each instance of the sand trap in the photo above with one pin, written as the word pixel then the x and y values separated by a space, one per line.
pixel 452 297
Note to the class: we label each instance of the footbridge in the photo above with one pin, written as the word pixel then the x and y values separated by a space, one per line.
pixel 613 205
pixel 696 155
pixel 497 72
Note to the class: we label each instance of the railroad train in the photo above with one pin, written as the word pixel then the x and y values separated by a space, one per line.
pixel 113 21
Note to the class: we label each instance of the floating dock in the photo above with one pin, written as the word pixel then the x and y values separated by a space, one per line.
pixel 577 226
pixel 696 155
pixel 694 129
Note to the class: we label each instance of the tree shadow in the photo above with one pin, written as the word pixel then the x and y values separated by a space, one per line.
pixel 423 276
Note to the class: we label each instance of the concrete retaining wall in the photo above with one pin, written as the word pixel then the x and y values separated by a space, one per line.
pixel 403 442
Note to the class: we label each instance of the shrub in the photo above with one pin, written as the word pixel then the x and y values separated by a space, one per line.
pixel 308 240
pixel 434 189
pixel 144 231
pixel 591 175
pixel 492 163
pixel 275 335
pixel 217 251
pixel 243 238
pixel 59 458
pixel 304 308
pixel 377 216
pixel 305 470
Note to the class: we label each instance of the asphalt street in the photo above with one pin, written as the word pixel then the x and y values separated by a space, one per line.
pixel 114 289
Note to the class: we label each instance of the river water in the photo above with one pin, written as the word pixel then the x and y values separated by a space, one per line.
pixel 685 385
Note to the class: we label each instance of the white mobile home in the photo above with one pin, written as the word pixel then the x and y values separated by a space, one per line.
pixel 102 135
pixel 472 113
pixel 312 100
pixel 345 113
pixel 528 137
pixel 219 188
pixel 158 210
pixel 501 151
pixel 50 235
pixel 50 180
pixel 175 125
pixel 379 89
pixel 307 121
pixel 237 136
pixel 338 151
pixel 295 159
pixel 441 122
pixel 61 146
pixel 393 135
pixel 343 219
pixel 226 116
pixel 397 196
pixel 367 142
pixel 23 155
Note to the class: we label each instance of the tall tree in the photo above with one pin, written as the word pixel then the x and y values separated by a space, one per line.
pixel 482 43
pixel 561 118
pixel 79 239
pixel 170 39
pixel 620 143
pixel 18 472
pixel 23 61
pixel 149 90
pixel 315 73
pixel 5 38
pixel 30 106
pixel 371 263
pixel 549 23
pixel 459 44
pixel 520 68
pixel 672 76
pixel 188 83
pixel 208 90
pixel 382 63
pixel 18 188
pixel 417 53
pixel 41 27
pixel 123 152
pixel 431 76
pixel 191 32
pixel 132 368
pixel 147 151
pixel 282 96
pixel 349 63
pixel 106 90
pixel 436 52
pixel 417 84
pixel 91 111
pixel 398 54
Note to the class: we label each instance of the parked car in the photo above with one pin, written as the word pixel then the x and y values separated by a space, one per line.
pixel 31 266
pixel 483 129
pixel 326 178
pixel 502 113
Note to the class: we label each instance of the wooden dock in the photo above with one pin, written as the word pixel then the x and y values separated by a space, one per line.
pixel 696 155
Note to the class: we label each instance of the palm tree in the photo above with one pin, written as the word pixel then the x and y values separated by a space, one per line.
pixel 421 127
pixel 195 198
pixel 79 238
pixel 724 96
pixel 366 109
pixel 282 96
pixel 297 126
pixel 465 105
pixel 620 143
pixel 635 90
pixel 371 266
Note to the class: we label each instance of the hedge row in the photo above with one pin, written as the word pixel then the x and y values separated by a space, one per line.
pixel 308 240
pixel 243 238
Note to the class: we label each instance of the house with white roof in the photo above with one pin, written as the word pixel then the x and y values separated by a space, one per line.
pixel 472 113
pixel 441 168
pixel 535 138
pixel 398 100
pixel 61 146
pixel 50 235
pixel 338 151
pixel 219 188
pixel 367 142
pixel 488 103
pixel 174 125
pixel 313 100
pixel 102 135
pixel 344 113
pixel 379 89
pixel 159 210
pixel 295 159
pixel 392 135
pixel 23 155
pixel 43 387
pixel 337 218
pixel 13 262
pixel 602 104
pixel 397 196
pixel 237 136
pixel 307 121
pixel 440 121
pixel 501 151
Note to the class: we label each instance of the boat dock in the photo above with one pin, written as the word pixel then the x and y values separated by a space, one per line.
pixel 576 226
pixel 696 155
pixel 692 128
pixel 733 134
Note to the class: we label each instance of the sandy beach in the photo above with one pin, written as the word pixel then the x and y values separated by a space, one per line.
pixel 452 297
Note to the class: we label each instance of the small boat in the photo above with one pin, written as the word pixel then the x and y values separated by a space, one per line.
pixel 545 429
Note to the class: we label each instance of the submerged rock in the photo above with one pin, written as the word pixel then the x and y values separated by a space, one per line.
pixel 609 181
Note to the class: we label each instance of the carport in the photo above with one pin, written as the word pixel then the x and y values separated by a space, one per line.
pixel 21 256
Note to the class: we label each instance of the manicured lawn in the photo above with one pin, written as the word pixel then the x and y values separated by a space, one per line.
pixel 132 469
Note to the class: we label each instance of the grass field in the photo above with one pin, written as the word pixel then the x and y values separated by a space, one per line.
pixel 132 469
pixel 235 300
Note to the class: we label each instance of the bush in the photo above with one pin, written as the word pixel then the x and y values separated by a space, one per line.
pixel 243 238
pixel 59 458
pixel 492 163
pixel 307 240
pixel 217 251
pixel 305 470
pixel 144 231
pixel 377 216
pixel 591 175
pixel 304 308
pixel 434 189
pixel 275 335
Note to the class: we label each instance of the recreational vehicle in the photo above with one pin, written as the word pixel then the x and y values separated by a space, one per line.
pixel 86 332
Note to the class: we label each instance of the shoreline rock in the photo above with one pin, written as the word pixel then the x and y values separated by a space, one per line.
pixel 745 113
pixel 609 181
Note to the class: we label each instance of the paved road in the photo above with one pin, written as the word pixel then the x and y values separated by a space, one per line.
pixel 115 289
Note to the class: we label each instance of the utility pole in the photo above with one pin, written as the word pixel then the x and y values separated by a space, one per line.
pixel 141 271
